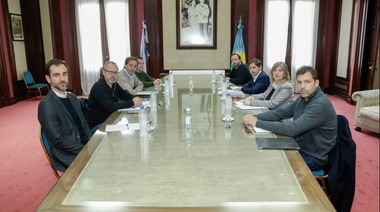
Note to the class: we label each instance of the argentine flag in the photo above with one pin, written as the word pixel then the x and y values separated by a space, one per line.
pixel 144 39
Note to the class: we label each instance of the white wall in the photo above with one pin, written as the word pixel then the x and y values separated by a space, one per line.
pixel 46 30
pixel 218 58
pixel 344 38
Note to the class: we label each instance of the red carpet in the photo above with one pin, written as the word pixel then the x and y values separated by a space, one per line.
pixel 26 177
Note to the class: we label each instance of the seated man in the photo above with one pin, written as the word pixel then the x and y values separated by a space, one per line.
pixel 146 80
pixel 104 97
pixel 314 124
pixel 61 118
pixel 239 74
pixel 127 79
pixel 260 80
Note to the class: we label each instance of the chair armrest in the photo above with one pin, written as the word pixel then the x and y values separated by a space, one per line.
pixel 364 99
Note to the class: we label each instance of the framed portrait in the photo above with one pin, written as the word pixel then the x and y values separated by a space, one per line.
pixel 196 24
pixel 17 28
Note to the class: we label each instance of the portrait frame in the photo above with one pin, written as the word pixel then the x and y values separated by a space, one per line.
pixel 17 27
pixel 196 25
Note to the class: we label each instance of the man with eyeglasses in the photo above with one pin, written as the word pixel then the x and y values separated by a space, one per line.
pixel 127 79
pixel 105 95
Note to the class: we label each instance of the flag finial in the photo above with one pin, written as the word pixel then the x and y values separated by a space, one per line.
pixel 240 21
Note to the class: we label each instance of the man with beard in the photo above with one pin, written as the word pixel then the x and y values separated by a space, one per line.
pixel 61 118
pixel 239 75
pixel 105 95
pixel 314 125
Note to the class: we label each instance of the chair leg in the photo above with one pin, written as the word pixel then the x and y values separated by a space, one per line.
pixel 27 95
pixel 39 90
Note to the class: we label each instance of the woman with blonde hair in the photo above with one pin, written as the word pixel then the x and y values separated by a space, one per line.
pixel 279 94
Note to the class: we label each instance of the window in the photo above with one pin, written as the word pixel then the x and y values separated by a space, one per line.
pixel 115 38
pixel 302 32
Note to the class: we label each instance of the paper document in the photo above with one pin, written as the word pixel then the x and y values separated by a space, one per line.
pixel 122 127
pixel 260 130
pixel 143 93
pixel 116 127
pixel 241 105
pixel 130 110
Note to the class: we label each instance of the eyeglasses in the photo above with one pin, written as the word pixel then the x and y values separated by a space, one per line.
pixel 116 73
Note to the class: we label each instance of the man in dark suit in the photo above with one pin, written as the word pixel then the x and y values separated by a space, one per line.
pixel 61 118
pixel 260 80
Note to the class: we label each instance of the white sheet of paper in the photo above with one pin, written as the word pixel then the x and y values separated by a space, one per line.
pixel 241 105
pixel 260 130
pixel 116 127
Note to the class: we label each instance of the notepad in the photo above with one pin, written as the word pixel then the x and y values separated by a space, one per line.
pixel 277 143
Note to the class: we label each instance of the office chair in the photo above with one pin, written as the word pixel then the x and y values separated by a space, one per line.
pixel 32 86
pixel 46 147
pixel 83 104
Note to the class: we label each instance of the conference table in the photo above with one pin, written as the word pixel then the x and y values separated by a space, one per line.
pixel 215 166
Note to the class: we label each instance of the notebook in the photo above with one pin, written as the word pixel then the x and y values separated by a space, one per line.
pixel 277 143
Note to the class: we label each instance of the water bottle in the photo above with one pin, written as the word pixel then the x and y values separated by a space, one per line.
pixel 171 83
pixel 188 119
pixel 228 108
pixel 220 81
pixel 153 107
pixel 143 122
pixel 153 100
pixel 191 85
pixel 167 94
pixel 224 89
pixel 213 80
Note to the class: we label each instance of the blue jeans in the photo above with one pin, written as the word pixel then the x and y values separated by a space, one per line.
pixel 311 163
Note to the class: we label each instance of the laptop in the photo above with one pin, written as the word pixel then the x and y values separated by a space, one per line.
pixel 277 143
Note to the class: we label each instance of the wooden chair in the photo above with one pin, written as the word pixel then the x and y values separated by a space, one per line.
pixel 46 147
pixel 32 86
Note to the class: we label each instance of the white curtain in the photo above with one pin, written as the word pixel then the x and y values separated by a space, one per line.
pixel 89 37
pixel 117 22
pixel 89 42
pixel 275 32
pixel 304 33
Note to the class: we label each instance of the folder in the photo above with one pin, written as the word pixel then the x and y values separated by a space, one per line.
pixel 277 143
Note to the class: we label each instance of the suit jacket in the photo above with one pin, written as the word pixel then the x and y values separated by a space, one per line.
pixel 342 161
pixel 61 130
pixel 282 96
pixel 133 85
pixel 259 86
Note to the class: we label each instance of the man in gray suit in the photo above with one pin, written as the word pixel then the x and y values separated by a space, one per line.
pixel 61 118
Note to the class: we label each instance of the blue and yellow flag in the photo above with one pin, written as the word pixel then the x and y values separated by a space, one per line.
pixel 239 44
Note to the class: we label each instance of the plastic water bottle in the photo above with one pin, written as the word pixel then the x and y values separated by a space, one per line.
pixel 228 107
pixel 188 118
pixel 167 94
pixel 220 81
pixel 171 83
pixel 213 80
pixel 153 100
pixel 153 107
pixel 224 89
pixel 143 122
pixel 191 85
